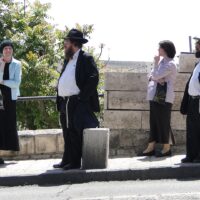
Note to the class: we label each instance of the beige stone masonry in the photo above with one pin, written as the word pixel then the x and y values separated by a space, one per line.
pixel 138 120
pixel 126 81
pixel 187 62
pixel 130 100
pixel 38 144
pixel 122 119
pixel 127 100
pixel 137 81
pixel 178 121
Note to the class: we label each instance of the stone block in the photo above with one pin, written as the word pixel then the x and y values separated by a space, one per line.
pixel 138 81
pixel 177 101
pixel 126 139
pixel 116 119
pixel 112 153
pixel 179 149
pixel 60 144
pixel 132 100
pixel 27 144
pixel 126 81
pixel 135 100
pixel 95 148
pixel 45 144
pixel 8 153
pixel 105 100
pixel 130 152
pixel 139 140
pixel 187 62
pixel 181 81
pixel 178 121
pixel 131 141
pixel 114 139
pixel 180 137
pixel 145 120
pixel 47 131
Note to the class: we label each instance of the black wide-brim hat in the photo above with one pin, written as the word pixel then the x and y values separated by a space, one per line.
pixel 75 34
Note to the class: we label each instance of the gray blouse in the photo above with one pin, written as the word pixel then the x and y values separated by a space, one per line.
pixel 165 71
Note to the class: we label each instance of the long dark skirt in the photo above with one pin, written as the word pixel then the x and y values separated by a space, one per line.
pixel 8 129
pixel 160 117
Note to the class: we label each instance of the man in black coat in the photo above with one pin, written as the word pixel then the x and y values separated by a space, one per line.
pixel 190 106
pixel 77 98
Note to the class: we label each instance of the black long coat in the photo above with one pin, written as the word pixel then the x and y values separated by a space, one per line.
pixel 87 78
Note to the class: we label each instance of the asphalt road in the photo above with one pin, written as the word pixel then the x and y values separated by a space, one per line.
pixel 131 190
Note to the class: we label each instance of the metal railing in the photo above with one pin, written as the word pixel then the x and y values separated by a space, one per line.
pixel 32 98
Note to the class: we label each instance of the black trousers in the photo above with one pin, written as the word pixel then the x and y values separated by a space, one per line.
pixel 72 137
pixel 193 130
pixel 160 117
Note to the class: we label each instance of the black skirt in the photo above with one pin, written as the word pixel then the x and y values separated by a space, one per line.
pixel 160 117
pixel 8 127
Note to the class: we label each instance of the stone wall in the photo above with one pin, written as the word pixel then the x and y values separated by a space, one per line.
pixel 127 111
pixel 37 144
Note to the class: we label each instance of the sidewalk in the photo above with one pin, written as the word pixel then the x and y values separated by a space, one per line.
pixel 41 172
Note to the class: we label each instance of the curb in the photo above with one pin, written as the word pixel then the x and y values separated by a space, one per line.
pixel 188 171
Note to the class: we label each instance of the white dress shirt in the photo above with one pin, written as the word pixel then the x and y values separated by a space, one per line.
pixel 194 85
pixel 67 83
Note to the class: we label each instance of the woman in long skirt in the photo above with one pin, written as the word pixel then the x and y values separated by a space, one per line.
pixel 160 94
pixel 10 78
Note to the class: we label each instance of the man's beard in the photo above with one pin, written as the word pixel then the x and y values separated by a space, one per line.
pixel 69 53
pixel 197 54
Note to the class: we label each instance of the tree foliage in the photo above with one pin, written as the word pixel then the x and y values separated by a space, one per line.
pixel 39 46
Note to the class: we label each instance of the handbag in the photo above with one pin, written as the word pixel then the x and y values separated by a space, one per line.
pixel 160 94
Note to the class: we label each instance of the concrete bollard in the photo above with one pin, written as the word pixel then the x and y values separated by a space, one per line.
pixel 95 148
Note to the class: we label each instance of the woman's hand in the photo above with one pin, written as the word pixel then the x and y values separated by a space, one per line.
pixel 156 60
pixel 2 64
pixel 161 81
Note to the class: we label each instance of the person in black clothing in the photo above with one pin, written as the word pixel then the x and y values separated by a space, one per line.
pixel 190 106
pixel 10 78
pixel 77 98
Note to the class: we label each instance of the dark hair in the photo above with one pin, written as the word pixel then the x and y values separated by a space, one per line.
pixel 198 41
pixel 76 43
pixel 168 47
pixel 5 43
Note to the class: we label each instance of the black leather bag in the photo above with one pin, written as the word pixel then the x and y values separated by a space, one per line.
pixel 161 91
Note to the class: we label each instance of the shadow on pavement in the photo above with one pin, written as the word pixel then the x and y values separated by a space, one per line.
pixel 6 164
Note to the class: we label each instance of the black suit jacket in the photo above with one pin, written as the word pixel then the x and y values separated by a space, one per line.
pixel 186 97
pixel 87 78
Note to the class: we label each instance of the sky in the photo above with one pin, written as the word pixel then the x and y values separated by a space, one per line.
pixel 131 29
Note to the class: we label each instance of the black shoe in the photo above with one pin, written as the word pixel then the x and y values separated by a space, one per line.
pixel 187 160
pixel 59 165
pixel 71 166
pixel 2 161
pixel 150 153
pixel 160 154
